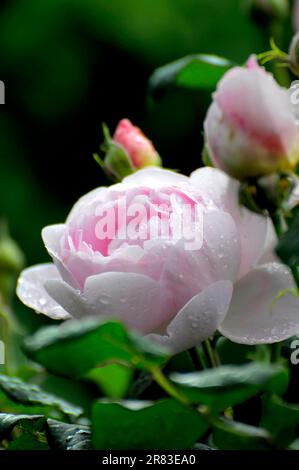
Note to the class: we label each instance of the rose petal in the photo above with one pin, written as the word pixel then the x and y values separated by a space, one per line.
pixel 218 188
pixel 294 198
pixel 271 125
pixel 153 177
pixel 269 255
pixel 255 316
pixel 94 196
pixel 231 150
pixel 135 299
pixel 52 236
pixel 198 319
pixel 31 291
pixel 66 296
pixel 186 273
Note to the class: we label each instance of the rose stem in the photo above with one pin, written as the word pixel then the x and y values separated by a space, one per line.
pixel 209 352
pixel 199 361
pixel 167 386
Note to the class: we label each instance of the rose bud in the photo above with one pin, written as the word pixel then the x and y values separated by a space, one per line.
pixel 139 148
pixel 128 150
pixel 250 127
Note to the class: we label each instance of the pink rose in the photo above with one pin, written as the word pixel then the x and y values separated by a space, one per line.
pixel 250 127
pixel 176 296
pixel 138 147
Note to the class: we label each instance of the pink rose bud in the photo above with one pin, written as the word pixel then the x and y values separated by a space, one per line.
pixel 250 127
pixel 139 148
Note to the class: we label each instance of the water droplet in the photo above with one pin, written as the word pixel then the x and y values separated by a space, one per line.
pixel 104 299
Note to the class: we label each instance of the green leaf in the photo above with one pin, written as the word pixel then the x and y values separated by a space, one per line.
pixel 231 435
pixel 35 432
pixel 19 396
pixel 144 425
pixel 281 419
pixel 230 385
pixel 81 396
pixel 232 353
pixel 295 444
pixel 201 446
pixel 196 71
pixel 63 436
pixel 8 421
pixel 113 379
pixel 76 347
pixel 29 434
pixel 23 432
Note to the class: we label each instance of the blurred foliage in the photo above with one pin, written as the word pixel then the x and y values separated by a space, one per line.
pixel 33 418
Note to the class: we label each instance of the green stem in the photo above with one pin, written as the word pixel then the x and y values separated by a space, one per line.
pixel 210 353
pixel 275 352
pixel 167 386
pixel 197 360
pixel 278 222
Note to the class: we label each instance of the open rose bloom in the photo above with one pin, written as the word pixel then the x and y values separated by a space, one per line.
pixel 155 285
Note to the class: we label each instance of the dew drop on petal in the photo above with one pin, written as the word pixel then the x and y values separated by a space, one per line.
pixel 105 299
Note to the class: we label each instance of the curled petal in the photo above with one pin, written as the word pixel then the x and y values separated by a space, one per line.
pixel 198 319
pixel 52 236
pixel 31 291
pixel 68 297
pixel 263 310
